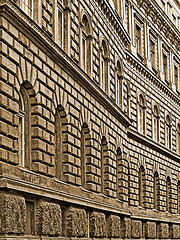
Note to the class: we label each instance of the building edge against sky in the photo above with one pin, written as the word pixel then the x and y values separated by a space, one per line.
pixel 89 119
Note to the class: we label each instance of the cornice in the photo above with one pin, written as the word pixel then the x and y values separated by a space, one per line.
pixel 10 10
pixel 152 9
pixel 155 217
pixel 147 73
pixel 115 20
pixel 152 145
pixel 13 184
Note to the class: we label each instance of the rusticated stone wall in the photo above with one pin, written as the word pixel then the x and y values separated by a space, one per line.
pixel 12 214
pixel 97 225
pixel 53 80
pixel 54 219
pixel 48 218
pixel 113 226
pixel 150 230
pixel 75 222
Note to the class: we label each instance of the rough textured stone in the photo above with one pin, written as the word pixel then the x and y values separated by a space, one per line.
pixel 12 214
pixel 49 218
pixel 97 224
pixel 75 222
pixel 113 226
pixel 150 230
pixel 136 229
pixel 163 229
pixel 175 231
pixel 126 227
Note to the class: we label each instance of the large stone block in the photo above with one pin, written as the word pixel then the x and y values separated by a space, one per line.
pixel 150 230
pixel 97 224
pixel 12 214
pixel 136 229
pixel 163 230
pixel 126 228
pixel 113 226
pixel 175 231
pixel 75 222
pixel 49 218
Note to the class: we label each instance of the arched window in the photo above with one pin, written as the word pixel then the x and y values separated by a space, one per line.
pixel 155 123
pixel 104 67
pixel 178 139
pixel 21 131
pixel 59 123
pixel 118 85
pixel 104 149
pixel 141 186
pixel 168 132
pixel 24 128
pixel 58 144
pixel 60 25
pixel 86 40
pixel 178 197
pixel 119 174
pixel 142 113
pixel 168 194
pixel 156 191
pixel 85 137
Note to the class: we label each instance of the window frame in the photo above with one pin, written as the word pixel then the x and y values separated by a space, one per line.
pixel 60 41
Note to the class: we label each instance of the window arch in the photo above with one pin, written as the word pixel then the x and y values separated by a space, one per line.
pixel 118 172
pixel 86 45
pixel 156 189
pixel 104 67
pixel 62 24
pixel 85 137
pixel 59 122
pixel 141 185
pixel 155 124
pixel 141 115
pixel 178 197
pixel 21 131
pixel 178 139
pixel 24 132
pixel 104 149
pixel 118 84
pixel 168 132
pixel 168 194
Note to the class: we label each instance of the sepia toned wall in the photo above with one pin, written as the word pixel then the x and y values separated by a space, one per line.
pixel 76 161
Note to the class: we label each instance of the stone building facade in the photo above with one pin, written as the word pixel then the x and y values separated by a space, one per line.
pixel 89 119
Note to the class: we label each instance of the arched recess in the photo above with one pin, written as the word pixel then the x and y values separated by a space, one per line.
pixel 141 185
pixel 60 140
pixel 168 195
pixel 104 66
pixel 119 174
pixel 119 83
pixel 104 156
pixel 156 191
pixel 178 196
pixel 141 114
pixel 155 123
pixel 26 102
pixel 85 152
pixel 178 138
pixel 86 43
pixel 168 125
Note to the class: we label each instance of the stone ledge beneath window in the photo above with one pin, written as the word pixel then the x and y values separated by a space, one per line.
pixel 152 145
pixel 48 190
